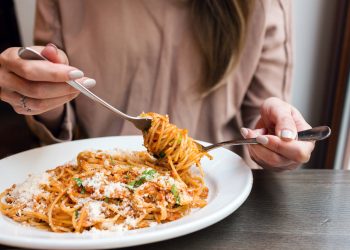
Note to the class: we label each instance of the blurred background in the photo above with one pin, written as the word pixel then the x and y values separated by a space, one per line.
pixel 320 82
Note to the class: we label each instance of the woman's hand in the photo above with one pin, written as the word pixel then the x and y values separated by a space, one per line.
pixel 33 87
pixel 275 131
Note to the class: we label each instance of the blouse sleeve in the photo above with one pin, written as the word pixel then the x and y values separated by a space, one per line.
pixel 272 77
pixel 48 29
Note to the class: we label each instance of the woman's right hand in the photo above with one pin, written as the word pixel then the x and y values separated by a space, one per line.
pixel 33 87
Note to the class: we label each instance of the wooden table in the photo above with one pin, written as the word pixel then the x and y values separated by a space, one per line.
pixel 302 209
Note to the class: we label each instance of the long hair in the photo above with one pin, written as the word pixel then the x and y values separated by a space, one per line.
pixel 220 29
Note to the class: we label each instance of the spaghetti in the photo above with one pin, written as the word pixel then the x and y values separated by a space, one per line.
pixel 114 190
pixel 172 146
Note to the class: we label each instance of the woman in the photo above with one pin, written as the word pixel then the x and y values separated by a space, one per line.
pixel 216 67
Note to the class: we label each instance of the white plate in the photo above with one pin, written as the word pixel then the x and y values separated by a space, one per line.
pixel 228 178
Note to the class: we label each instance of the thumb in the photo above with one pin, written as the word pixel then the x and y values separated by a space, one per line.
pixel 53 54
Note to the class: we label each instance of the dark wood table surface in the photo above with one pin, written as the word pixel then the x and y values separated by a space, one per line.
pixel 301 209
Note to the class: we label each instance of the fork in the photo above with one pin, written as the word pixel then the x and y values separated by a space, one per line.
pixel 142 123
pixel 314 134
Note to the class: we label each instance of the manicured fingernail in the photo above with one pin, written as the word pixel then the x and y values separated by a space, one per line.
pixel 75 74
pixel 53 46
pixel 89 83
pixel 262 139
pixel 244 132
pixel 287 134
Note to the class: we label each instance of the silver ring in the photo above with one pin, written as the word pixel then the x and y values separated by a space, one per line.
pixel 24 105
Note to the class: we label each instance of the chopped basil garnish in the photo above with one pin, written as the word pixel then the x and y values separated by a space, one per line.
pixel 179 139
pixel 136 183
pixel 175 192
pixel 106 199
pixel 112 160
pixel 79 183
pixel 76 214
pixel 147 175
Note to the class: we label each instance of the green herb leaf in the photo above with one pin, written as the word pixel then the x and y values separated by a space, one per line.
pixel 179 139
pixel 175 192
pixel 78 181
pixel 76 214
pixel 112 160
pixel 139 182
pixel 148 174
pixel 132 185
pixel 106 199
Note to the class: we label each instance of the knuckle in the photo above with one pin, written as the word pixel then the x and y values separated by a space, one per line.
pixel 8 57
pixel 269 105
pixel 285 119
pixel 30 90
pixel 275 146
pixel 271 100
pixel 18 110
pixel 3 59
pixel 55 75
pixel 302 156
pixel 39 105
pixel 25 70
pixel 264 106
pixel 274 160
pixel 34 90
pixel 64 57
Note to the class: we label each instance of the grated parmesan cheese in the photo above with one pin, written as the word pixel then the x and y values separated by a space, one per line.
pixel 26 192
pixel 95 210
pixel 95 182
pixel 113 187
pixel 130 221
pixel 82 201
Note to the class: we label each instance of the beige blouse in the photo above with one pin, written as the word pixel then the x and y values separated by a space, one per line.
pixel 143 56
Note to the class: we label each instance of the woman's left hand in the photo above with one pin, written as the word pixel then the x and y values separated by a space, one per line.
pixel 276 131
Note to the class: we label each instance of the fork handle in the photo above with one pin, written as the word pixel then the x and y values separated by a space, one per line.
pixel 314 134
pixel 231 143
pixel 95 98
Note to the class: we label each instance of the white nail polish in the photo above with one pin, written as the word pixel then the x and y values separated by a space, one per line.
pixel 244 132
pixel 89 83
pixel 262 139
pixel 287 134
pixel 75 74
